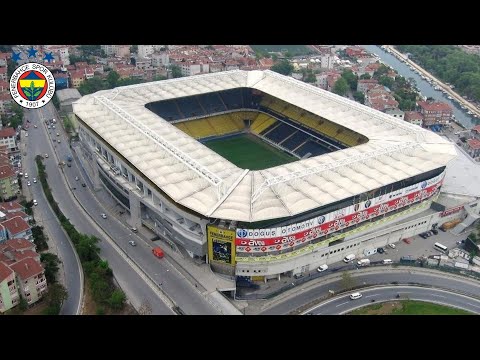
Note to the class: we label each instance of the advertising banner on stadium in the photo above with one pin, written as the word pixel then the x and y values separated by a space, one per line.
pixel 451 211
pixel 221 245
pixel 275 239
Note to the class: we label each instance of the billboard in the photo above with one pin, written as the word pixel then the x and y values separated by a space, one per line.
pixel 221 245
pixel 276 239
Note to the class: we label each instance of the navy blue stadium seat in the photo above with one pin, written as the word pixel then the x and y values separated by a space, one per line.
pixel 295 140
pixel 281 132
pixel 211 103
pixel 189 106
pixel 311 147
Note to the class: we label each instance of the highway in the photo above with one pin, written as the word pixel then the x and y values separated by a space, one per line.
pixel 122 257
pixel 306 294
pixel 343 304
pixel 45 217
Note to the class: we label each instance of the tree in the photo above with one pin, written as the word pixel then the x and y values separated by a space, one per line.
pixel 365 76
pixel 55 297
pixel 274 57
pixel 386 81
pixel 145 308
pixel 176 71
pixel 347 281
pixel 283 67
pixel 50 264
pixel 359 96
pixel 382 70
pixel 340 87
pixel 117 299
pixel 351 79
pixel 87 249
pixel 112 79
pixel 39 238
pixel 92 85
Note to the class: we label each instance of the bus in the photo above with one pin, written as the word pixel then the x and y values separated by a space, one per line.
pixel 440 247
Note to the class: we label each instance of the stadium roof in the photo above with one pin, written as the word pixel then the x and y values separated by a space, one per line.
pixel 203 181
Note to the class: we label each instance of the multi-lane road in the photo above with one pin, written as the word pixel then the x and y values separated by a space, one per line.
pixel 143 277
pixel 343 304
pixel 306 294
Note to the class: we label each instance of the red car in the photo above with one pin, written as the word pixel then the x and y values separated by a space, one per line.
pixel 407 240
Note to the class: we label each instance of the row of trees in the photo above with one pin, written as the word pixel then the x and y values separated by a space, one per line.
pixel 97 272
pixel 15 119
pixel 450 64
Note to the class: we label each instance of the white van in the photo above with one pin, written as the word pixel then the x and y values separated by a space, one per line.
pixel 387 261
pixel 349 258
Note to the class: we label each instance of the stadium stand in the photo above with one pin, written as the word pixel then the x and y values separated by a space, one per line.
pixel 294 141
pixel 189 106
pixel 311 147
pixel 232 99
pixel 262 122
pixel 212 103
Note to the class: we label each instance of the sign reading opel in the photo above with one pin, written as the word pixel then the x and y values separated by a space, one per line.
pixel 32 85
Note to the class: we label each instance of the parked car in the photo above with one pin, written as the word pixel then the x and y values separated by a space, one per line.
pixel 380 250
pixel 322 268
pixel 392 246
pixel 435 231
pixel 133 243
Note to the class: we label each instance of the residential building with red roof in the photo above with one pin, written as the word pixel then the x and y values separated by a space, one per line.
pixel 8 137
pixel 17 227
pixel 8 183
pixel 475 132
pixel 21 273
pixel 77 77
pixel 30 277
pixel 435 113
pixel 364 85
pixel 473 147
pixel 414 117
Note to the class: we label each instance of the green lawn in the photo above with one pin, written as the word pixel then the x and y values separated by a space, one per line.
pixel 249 152
pixel 294 49
pixel 408 307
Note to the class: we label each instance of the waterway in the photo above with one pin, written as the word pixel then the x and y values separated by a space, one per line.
pixel 426 89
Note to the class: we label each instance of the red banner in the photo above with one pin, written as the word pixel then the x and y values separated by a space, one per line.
pixel 333 226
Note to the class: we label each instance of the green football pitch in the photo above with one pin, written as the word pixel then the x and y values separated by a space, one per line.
pixel 249 152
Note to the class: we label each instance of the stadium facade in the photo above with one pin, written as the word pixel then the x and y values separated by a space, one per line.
pixel 357 178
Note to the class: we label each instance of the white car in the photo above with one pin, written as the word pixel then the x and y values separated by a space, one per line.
pixel 35 202
pixel 355 296
pixel 392 246
pixel 35 126
pixel 26 176
pixel 46 155
pixel 322 268
pixel 76 178
pixel 28 183
pixel 103 215
pixel 35 180
pixel 133 243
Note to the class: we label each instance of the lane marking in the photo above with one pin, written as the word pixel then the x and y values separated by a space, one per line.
pixel 342 304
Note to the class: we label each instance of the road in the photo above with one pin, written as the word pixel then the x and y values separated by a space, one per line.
pixel 137 287
pixel 343 304
pixel 454 94
pixel 45 217
pixel 306 294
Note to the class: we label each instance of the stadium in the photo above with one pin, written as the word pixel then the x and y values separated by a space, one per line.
pixel 259 174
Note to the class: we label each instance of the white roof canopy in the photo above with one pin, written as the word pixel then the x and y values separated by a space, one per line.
pixel 205 182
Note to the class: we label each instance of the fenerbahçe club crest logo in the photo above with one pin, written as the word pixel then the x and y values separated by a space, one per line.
pixel 32 85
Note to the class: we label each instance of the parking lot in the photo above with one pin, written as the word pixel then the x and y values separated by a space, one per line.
pixel 419 247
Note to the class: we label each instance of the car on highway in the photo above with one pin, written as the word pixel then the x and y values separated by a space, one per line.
pixel 58 134
pixel 84 185
pixel 58 141
pixel 392 246
pixel 76 178
pixel 158 252
pixel 26 176
pixel 132 242
pixel 46 155
pixel 133 229
pixel 35 126
pixel 35 180
pixel 29 183
pixel 35 202
pixel 103 215
pixel 356 295
pixel 322 268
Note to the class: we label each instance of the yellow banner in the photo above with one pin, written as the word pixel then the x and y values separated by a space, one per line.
pixel 221 245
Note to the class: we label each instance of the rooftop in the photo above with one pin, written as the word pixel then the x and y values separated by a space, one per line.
pixel 16 225
pixel 201 180
pixel 27 268
pixel 5 271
